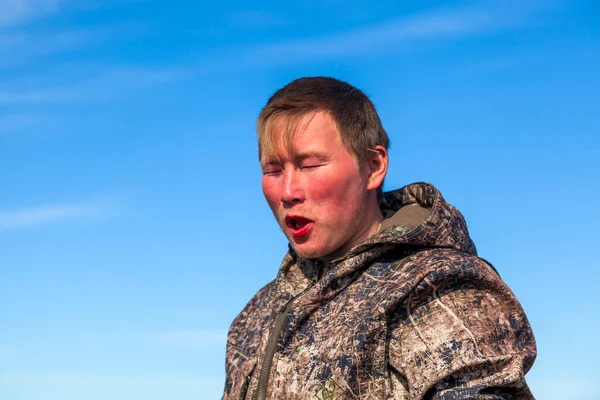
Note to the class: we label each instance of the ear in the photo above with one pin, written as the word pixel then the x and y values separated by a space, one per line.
pixel 377 166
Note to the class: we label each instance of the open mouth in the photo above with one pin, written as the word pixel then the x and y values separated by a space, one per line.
pixel 299 226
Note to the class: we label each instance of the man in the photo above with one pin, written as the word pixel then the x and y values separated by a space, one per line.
pixel 380 296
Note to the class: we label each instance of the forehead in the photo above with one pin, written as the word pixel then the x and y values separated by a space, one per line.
pixel 291 136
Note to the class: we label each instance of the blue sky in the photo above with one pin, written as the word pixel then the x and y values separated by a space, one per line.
pixel 132 225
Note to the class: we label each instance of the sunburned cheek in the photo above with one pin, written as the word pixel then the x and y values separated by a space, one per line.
pixel 269 192
pixel 327 186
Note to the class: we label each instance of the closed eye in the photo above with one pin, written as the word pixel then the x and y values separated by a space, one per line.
pixel 272 170
pixel 311 161
pixel 312 166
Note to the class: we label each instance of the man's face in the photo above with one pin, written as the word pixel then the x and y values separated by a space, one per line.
pixel 318 193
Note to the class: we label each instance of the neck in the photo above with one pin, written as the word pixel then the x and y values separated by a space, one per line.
pixel 375 219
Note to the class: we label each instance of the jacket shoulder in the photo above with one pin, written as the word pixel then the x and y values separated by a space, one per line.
pixel 258 302
pixel 434 273
pixel 460 329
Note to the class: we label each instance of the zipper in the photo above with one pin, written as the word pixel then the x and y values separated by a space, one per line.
pixel 265 371
pixel 245 387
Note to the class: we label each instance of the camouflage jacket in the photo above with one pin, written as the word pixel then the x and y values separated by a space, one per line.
pixel 410 313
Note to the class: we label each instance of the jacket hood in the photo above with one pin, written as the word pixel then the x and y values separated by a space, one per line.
pixel 416 217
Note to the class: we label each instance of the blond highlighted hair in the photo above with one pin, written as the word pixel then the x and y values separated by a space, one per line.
pixel 292 106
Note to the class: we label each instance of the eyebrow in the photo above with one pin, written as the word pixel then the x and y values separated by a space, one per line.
pixel 297 157
pixel 268 162
pixel 311 154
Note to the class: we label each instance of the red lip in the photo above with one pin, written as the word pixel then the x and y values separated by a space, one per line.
pixel 298 225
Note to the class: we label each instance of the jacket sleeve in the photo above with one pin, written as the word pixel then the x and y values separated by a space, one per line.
pixel 461 334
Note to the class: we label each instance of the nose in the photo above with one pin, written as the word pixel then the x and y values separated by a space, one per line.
pixel 291 191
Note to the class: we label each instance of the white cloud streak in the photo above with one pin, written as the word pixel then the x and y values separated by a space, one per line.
pixel 193 339
pixel 38 96
pixel 13 122
pixel 48 214
pixel 400 34
pixel 104 86
pixel 17 48
pixel 21 42
pixel 17 11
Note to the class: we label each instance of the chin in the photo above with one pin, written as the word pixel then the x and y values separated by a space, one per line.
pixel 304 252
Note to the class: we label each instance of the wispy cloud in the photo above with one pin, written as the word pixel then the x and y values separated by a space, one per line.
pixel 193 339
pixel 48 214
pixel 401 33
pixel 38 96
pixel 24 44
pixel 116 81
pixel 15 122
pixel 18 11
pixel 22 41
pixel 19 44
pixel 60 81
pixel 21 47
